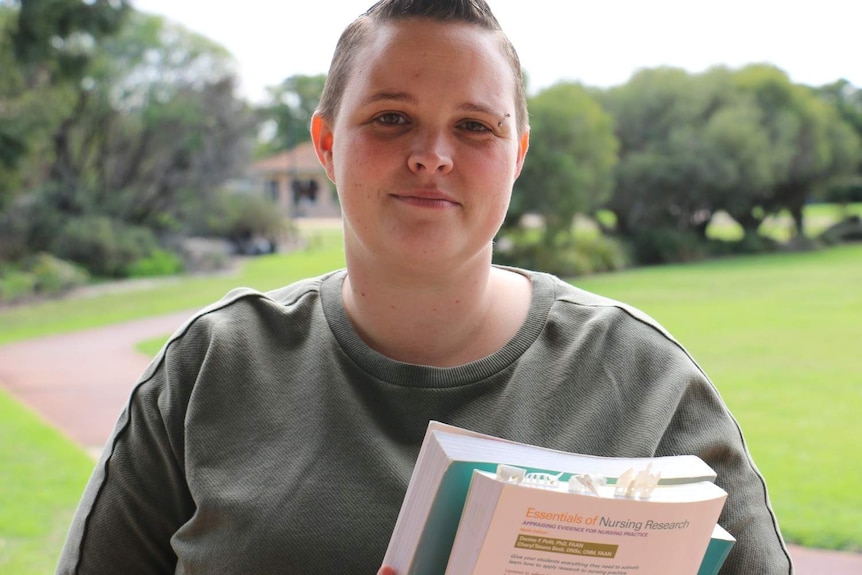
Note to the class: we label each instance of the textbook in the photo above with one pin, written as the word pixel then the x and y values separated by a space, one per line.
pixel 717 551
pixel 424 532
pixel 517 526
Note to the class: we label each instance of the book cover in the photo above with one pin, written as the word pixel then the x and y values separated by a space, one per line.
pixel 513 528
pixel 431 510
pixel 717 551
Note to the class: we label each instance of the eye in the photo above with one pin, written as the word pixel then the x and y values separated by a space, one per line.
pixel 391 119
pixel 474 126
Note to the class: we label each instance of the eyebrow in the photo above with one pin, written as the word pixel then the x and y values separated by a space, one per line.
pixel 405 97
pixel 389 96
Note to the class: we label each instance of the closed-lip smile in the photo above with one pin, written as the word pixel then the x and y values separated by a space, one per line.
pixel 430 198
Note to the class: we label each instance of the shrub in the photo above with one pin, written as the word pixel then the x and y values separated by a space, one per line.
pixel 40 275
pixel 662 245
pixel 16 285
pixel 106 247
pixel 239 218
pixel 747 244
pixel 569 256
pixel 27 226
pixel 55 276
pixel 847 230
pixel 159 263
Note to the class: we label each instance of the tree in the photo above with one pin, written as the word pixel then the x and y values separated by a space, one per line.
pixel 847 101
pixel 811 144
pixel 55 40
pixel 666 171
pixel 162 124
pixel 151 127
pixel 291 105
pixel 44 49
pixel 570 163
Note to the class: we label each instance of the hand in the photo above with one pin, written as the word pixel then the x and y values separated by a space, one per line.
pixel 386 571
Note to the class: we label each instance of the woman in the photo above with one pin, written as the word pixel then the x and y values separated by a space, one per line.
pixel 276 432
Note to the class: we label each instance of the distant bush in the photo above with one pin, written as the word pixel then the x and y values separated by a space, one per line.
pixel 569 257
pixel 54 276
pixel 847 230
pixel 106 247
pixel 747 244
pixel 16 285
pixel 241 219
pixel 27 226
pixel 159 263
pixel 661 246
pixel 39 276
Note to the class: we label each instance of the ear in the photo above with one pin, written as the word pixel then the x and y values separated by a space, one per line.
pixel 523 146
pixel 321 137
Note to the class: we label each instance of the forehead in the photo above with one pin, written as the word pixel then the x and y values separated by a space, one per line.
pixel 421 55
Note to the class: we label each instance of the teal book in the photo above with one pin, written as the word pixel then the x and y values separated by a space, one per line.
pixel 430 513
pixel 717 551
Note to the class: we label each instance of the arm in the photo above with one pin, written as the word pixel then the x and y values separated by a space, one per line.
pixel 137 496
pixel 703 425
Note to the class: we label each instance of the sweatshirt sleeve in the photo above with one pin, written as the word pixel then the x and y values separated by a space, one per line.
pixel 703 425
pixel 137 496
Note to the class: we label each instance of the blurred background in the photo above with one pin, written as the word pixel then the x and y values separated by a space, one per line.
pixel 702 162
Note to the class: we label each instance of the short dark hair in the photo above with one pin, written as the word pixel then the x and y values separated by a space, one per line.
pixel 475 12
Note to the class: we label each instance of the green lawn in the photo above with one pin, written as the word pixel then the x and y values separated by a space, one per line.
pixel 778 334
pixel 780 337
pixel 42 474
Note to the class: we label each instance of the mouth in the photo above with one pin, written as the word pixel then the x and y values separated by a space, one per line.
pixel 433 199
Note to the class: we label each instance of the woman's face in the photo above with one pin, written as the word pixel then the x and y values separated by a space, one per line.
pixel 424 149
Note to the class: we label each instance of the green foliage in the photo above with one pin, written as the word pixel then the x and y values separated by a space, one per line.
pixel 106 247
pixel 53 275
pixel 159 263
pixel 61 35
pixel 569 166
pixel 160 124
pixel 289 110
pixel 568 256
pixel 238 217
pixel 40 275
pixel 663 245
pixel 16 285
pixel 749 142
pixel 847 230
pixel 811 145
pixel 151 121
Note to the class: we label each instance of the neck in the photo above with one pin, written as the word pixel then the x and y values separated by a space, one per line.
pixel 434 317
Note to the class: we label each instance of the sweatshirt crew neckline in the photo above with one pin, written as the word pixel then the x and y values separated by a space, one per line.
pixel 411 375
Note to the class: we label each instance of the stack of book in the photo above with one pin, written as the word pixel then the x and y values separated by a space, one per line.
pixel 480 504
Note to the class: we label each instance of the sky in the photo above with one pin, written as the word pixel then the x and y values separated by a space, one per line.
pixel 598 42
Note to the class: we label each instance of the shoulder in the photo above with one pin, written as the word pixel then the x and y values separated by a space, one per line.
pixel 246 318
pixel 576 304
pixel 599 322
pixel 248 304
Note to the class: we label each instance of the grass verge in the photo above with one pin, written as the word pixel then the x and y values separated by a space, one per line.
pixel 779 335
pixel 41 478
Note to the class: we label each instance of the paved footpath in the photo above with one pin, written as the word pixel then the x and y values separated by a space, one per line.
pixel 80 382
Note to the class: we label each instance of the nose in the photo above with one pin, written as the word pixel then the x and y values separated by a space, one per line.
pixel 431 152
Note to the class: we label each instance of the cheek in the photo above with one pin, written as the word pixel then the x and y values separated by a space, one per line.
pixel 358 160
